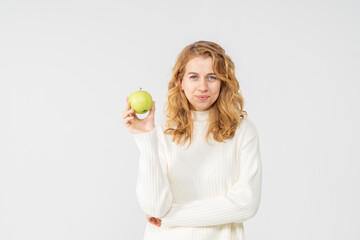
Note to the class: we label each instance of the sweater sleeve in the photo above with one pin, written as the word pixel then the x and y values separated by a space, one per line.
pixel 153 189
pixel 242 200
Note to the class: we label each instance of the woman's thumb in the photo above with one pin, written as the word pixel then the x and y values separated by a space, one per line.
pixel 153 106
pixel 152 109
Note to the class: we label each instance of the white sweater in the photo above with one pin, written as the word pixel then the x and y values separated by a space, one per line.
pixel 204 192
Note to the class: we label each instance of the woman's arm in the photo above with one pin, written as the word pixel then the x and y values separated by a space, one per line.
pixel 240 203
pixel 153 189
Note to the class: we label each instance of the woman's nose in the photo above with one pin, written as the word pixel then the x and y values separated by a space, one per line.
pixel 203 86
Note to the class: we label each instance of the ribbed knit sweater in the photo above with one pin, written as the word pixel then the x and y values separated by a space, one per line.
pixel 204 192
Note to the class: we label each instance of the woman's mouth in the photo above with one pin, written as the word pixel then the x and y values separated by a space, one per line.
pixel 202 97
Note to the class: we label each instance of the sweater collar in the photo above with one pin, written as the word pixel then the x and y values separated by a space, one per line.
pixel 200 116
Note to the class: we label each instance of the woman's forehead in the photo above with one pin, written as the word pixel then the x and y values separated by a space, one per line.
pixel 199 64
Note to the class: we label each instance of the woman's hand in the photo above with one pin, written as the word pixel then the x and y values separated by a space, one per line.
pixel 136 125
pixel 153 220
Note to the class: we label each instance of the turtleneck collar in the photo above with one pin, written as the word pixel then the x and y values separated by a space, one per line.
pixel 200 116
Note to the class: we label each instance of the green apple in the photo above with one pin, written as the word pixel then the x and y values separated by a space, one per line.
pixel 140 101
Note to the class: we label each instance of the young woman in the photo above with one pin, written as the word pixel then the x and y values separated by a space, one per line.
pixel 200 171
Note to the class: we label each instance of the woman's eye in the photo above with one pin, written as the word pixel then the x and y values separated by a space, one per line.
pixel 193 76
pixel 212 78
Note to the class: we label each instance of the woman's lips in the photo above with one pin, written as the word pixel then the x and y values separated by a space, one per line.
pixel 202 97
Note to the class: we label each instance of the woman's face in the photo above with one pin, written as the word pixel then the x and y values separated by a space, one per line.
pixel 200 85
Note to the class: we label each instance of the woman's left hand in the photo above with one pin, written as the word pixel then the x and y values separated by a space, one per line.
pixel 153 220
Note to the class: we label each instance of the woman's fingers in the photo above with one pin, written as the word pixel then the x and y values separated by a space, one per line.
pixel 127 104
pixel 128 113
pixel 153 220
pixel 128 119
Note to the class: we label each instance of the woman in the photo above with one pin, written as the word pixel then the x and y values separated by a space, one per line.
pixel 200 171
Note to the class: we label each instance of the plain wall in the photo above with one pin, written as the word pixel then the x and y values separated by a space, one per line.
pixel 68 165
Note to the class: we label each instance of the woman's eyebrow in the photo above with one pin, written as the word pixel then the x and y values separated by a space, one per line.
pixel 197 73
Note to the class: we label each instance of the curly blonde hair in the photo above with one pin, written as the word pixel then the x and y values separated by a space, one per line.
pixel 226 113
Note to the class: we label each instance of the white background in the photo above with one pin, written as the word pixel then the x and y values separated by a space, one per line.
pixel 68 166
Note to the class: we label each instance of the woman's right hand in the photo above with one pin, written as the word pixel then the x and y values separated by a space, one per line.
pixel 136 125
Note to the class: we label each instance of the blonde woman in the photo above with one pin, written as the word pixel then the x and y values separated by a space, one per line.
pixel 200 170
